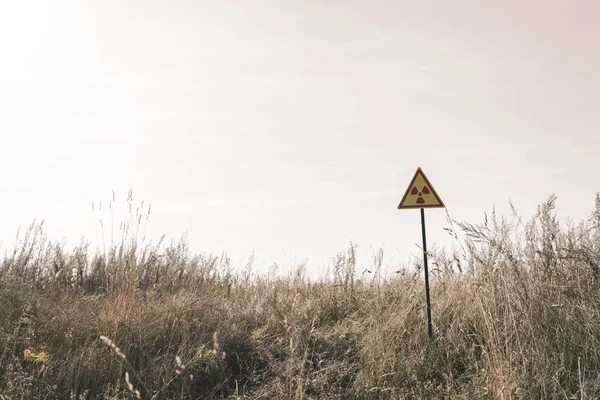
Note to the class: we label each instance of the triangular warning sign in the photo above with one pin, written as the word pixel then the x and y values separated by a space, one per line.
pixel 420 193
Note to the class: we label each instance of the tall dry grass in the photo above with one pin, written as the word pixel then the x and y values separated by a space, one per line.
pixel 515 312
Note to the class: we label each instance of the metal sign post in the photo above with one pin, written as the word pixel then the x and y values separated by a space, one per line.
pixel 429 325
pixel 421 194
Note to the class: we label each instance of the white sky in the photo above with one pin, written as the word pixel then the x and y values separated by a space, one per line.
pixel 293 127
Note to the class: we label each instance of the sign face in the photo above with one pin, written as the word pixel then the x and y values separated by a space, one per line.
pixel 420 194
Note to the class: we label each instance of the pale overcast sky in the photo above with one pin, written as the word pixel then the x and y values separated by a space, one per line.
pixel 293 127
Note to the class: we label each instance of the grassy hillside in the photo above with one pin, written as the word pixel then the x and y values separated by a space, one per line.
pixel 516 314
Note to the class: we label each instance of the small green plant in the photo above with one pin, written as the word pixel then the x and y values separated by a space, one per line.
pixel 258 333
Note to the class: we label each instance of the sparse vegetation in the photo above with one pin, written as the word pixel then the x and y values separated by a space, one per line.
pixel 516 311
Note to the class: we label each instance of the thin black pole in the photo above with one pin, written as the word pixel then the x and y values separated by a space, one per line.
pixel 429 326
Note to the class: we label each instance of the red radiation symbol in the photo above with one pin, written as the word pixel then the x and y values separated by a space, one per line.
pixel 415 192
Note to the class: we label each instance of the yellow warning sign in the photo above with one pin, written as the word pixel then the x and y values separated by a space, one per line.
pixel 420 193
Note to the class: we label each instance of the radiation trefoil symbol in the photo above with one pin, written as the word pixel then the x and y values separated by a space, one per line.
pixel 420 193
pixel 415 192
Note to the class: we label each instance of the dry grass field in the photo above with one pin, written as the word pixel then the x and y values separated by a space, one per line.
pixel 516 315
